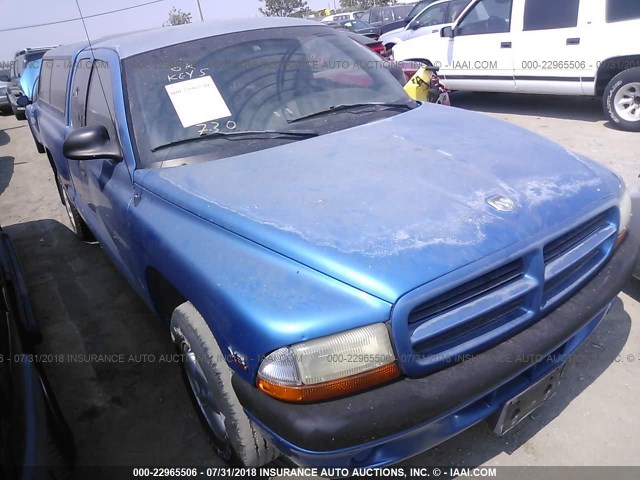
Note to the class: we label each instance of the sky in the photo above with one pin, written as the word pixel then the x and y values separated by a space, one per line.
pixel 19 14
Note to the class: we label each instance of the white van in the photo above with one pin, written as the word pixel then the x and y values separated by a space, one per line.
pixel 428 21
pixel 568 47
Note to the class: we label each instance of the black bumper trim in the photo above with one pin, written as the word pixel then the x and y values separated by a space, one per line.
pixel 407 403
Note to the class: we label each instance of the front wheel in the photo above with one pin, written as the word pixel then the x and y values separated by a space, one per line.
pixel 621 100
pixel 234 437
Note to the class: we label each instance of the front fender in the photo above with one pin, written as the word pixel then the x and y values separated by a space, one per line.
pixel 253 299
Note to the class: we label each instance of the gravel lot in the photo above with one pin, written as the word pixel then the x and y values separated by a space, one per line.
pixel 137 411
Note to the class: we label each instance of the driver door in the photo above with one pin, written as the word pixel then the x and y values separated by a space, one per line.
pixel 479 56
pixel 109 187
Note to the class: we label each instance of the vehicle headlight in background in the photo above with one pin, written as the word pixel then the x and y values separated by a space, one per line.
pixel 330 366
pixel 625 215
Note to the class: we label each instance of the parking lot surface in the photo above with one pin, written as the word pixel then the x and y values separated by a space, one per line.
pixel 111 362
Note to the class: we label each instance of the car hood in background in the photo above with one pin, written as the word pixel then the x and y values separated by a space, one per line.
pixel 393 204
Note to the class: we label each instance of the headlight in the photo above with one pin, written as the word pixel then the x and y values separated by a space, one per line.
pixel 330 366
pixel 625 215
pixel 625 211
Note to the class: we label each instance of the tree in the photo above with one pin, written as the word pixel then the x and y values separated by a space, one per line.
pixel 283 8
pixel 177 17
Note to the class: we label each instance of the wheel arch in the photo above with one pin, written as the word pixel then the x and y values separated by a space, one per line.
pixel 611 67
pixel 165 297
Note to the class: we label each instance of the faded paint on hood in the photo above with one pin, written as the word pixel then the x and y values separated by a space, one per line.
pixel 391 205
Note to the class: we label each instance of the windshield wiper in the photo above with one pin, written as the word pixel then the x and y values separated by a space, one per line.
pixel 252 133
pixel 348 106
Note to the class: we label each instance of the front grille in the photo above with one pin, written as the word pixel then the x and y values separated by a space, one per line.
pixel 465 293
pixel 476 315
pixel 573 258
pixel 566 242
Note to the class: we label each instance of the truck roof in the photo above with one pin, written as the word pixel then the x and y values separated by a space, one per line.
pixel 134 43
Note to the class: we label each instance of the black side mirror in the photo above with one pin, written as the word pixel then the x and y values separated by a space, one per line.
pixel 89 143
pixel 23 101
pixel 414 25
pixel 447 32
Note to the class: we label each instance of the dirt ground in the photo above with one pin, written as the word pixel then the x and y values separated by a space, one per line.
pixel 132 409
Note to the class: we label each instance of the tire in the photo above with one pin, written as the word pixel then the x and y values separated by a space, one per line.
pixel 78 225
pixel 621 100
pixel 233 436
pixel 39 146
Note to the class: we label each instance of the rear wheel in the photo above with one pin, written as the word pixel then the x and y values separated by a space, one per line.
pixel 234 437
pixel 78 225
pixel 621 100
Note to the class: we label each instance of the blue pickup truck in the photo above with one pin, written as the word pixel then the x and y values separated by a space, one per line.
pixel 351 276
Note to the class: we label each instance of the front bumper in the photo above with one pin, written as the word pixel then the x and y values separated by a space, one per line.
pixel 400 420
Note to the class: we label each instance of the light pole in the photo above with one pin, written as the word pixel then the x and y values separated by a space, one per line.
pixel 200 10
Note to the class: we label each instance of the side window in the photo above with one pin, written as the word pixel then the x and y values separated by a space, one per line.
pixel 432 15
pixel 376 16
pixel 45 80
pixel 34 90
pixel 79 90
pixel 537 14
pixel 100 98
pixel 487 16
pixel 620 10
pixel 455 9
pixel 58 88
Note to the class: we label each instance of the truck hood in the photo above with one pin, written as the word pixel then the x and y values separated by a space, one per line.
pixel 390 205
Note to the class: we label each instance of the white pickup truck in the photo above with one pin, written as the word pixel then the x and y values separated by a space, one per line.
pixel 568 47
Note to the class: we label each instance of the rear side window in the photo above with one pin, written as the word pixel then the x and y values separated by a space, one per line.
pixel 59 79
pixel 548 14
pixel 79 90
pixel 45 80
pixel 100 98
pixel 620 10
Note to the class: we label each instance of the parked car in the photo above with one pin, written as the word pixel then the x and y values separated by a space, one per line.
pixel 35 440
pixel 25 70
pixel 361 27
pixel 339 17
pixel 428 21
pixel 5 81
pixel 325 266
pixel 584 48
pixel 383 16
pixel 401 23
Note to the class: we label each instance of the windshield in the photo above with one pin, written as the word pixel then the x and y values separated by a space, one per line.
pixel 261 80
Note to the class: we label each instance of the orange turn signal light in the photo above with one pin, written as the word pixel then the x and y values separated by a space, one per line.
pixel 621 238
pixel 331 389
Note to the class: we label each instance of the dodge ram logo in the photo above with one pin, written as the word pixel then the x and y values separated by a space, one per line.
pixel 501 203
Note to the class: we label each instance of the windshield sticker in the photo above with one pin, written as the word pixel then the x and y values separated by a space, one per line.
pixel 197 101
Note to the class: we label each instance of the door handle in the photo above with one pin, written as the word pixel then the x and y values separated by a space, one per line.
pixel 505 45
pixel 573 41
pixel 434 31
